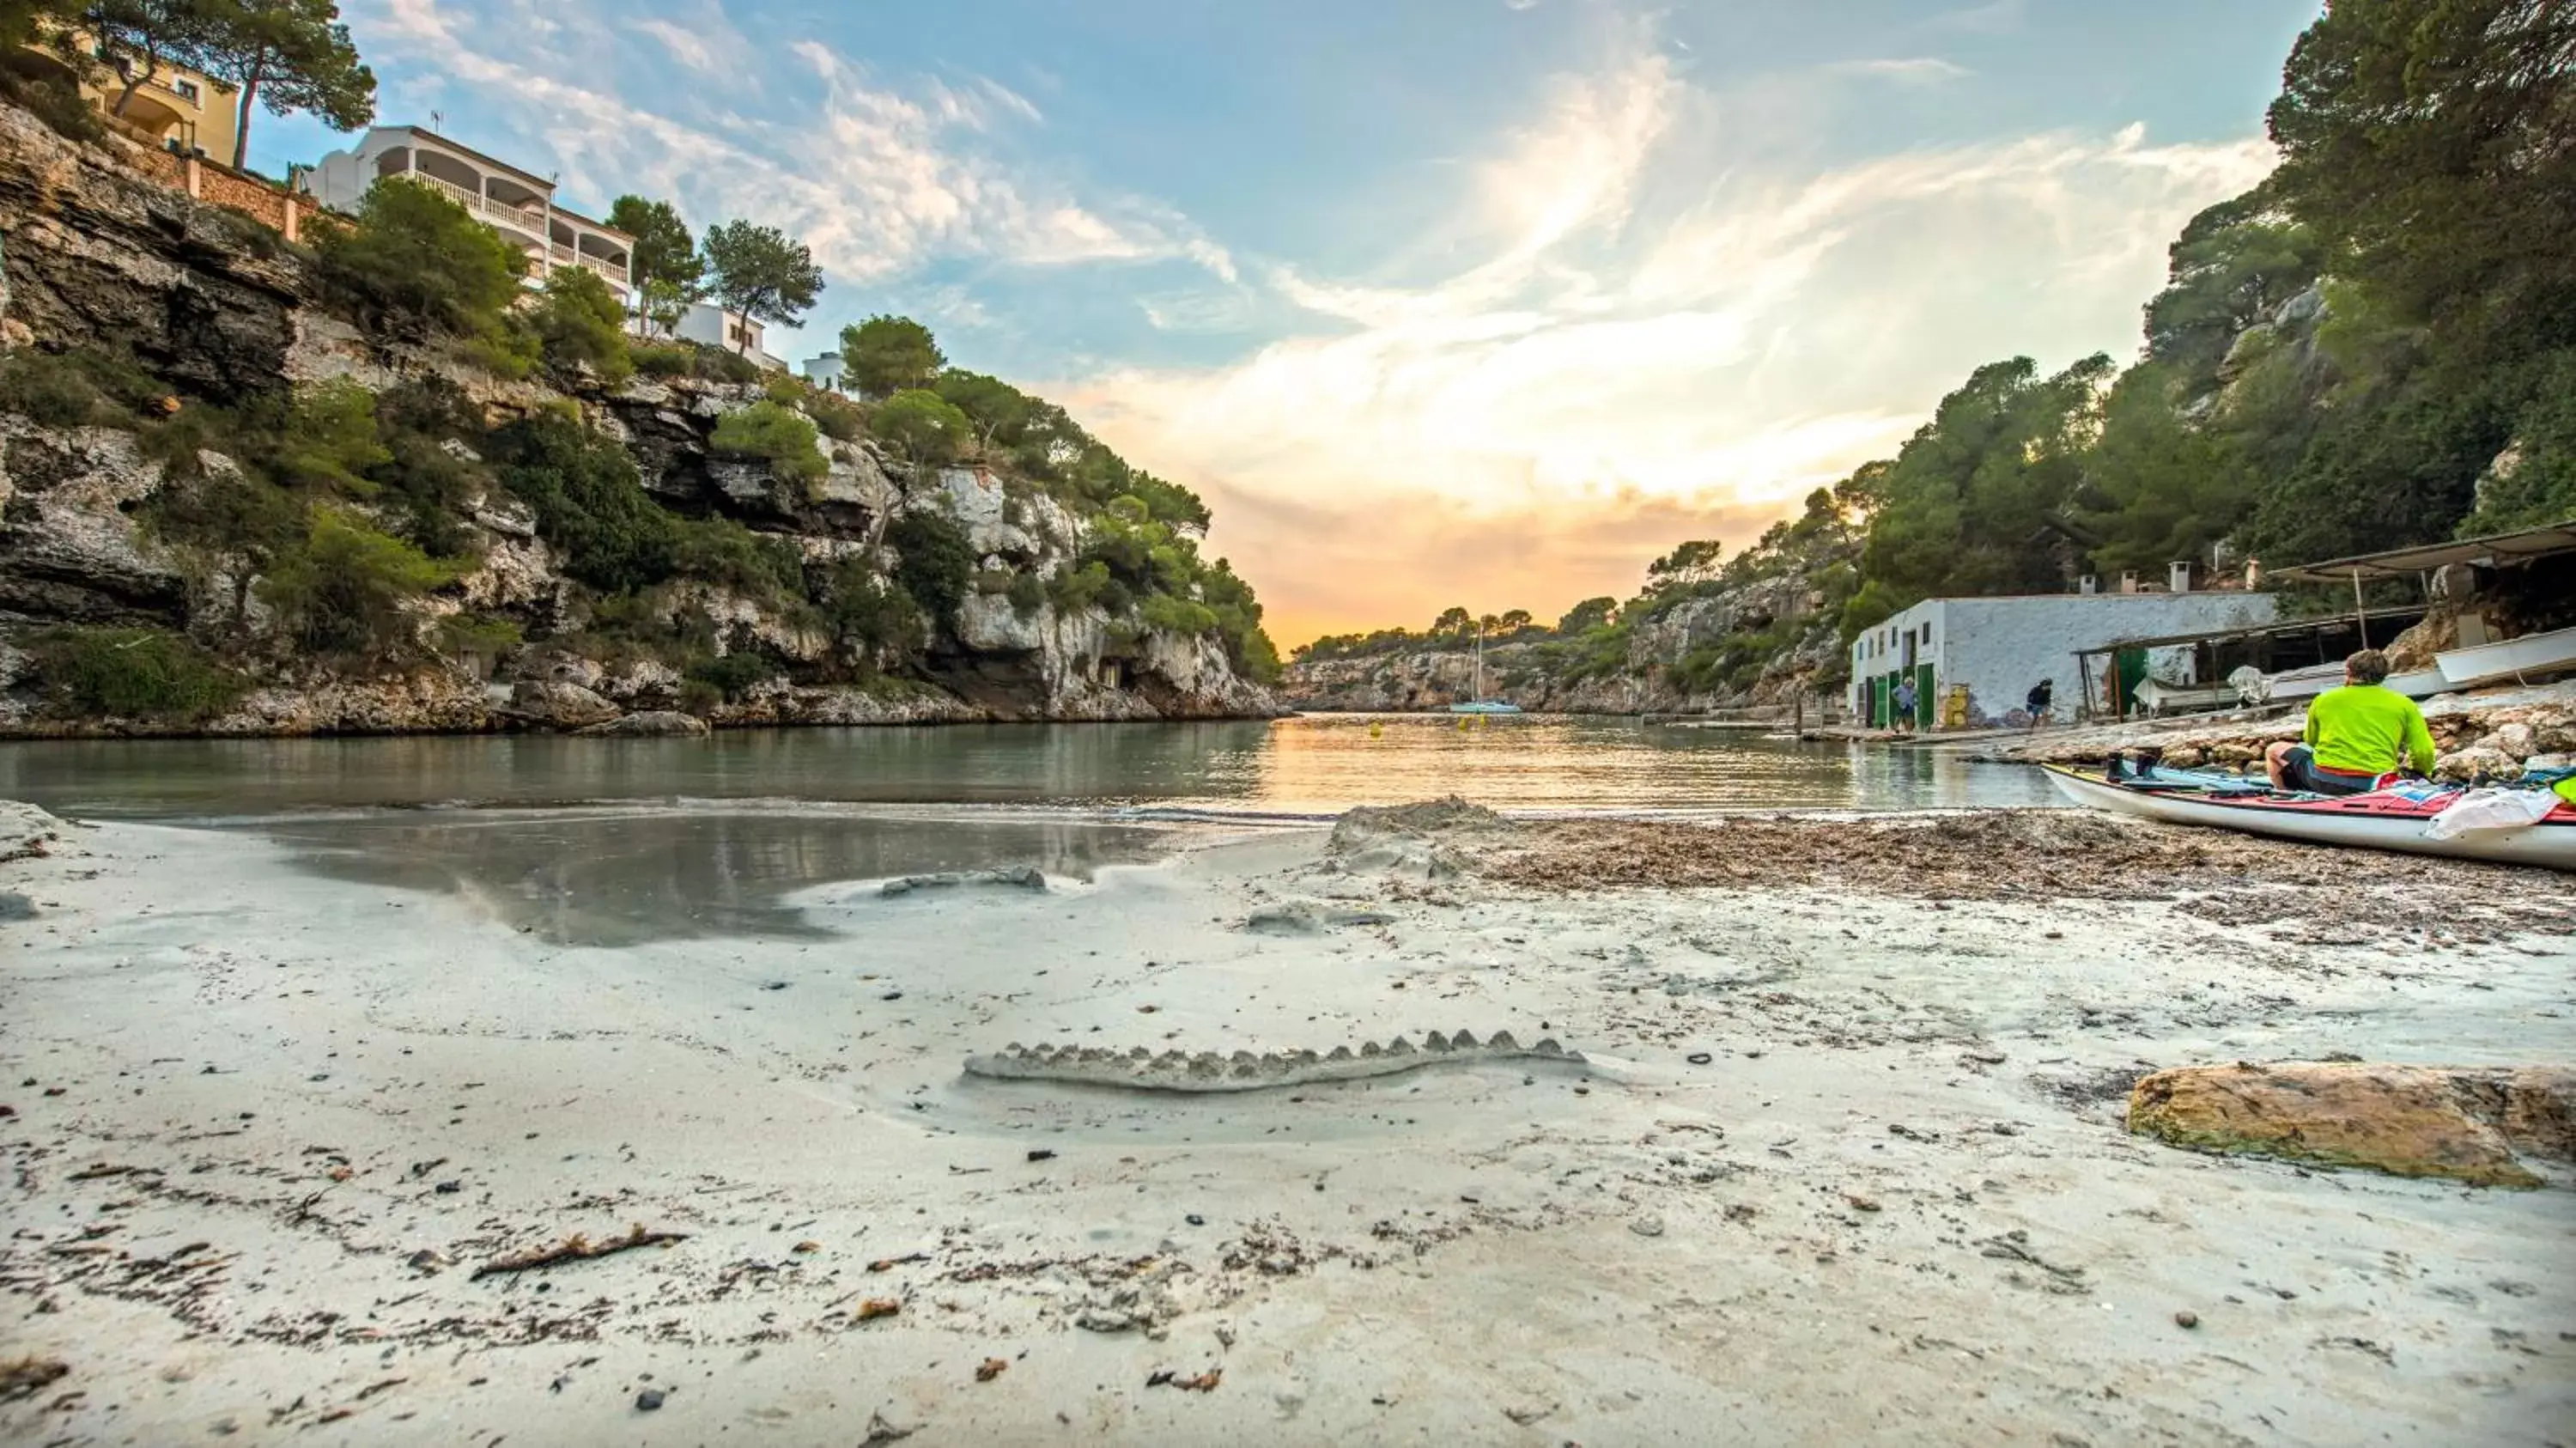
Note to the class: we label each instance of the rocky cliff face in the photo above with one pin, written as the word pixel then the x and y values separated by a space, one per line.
pixel 221 310
pixel 1651 672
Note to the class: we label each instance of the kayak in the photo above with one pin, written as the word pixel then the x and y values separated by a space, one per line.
pixel 2384 819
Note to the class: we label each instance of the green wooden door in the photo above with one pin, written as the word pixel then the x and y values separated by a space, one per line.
pixel 2132 666
pixel 1925 711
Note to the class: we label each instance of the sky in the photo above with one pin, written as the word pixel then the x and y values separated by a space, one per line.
pixel 1480 302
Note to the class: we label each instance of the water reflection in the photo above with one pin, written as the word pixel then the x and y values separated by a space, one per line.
pixel 1318 764
pixel 591 878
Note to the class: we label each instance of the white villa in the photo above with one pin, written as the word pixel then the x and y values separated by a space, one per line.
pixel 714 326
pixel 518 204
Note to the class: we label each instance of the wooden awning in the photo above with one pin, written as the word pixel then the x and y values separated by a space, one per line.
pixel 2502 550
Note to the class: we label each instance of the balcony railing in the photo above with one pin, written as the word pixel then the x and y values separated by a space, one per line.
pixel 526 218
pixel 531 219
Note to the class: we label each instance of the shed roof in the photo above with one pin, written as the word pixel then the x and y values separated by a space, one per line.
pixel 2499 550
pixel 2410 612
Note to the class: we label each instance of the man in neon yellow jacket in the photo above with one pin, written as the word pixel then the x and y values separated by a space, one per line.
pixel 2355 735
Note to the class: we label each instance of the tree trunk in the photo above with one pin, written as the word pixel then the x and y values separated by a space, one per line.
pixel 241 127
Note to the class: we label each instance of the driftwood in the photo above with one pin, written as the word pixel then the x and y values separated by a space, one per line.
pixel 576 1248
pixel 23 1377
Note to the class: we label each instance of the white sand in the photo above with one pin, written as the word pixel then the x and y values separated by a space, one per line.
pixel 1658 1252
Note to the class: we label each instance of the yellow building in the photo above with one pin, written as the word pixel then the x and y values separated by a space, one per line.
pixel 177 109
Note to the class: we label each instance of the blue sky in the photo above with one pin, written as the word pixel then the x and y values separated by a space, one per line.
pixel 1437 301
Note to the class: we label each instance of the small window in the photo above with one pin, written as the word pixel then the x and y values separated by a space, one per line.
pixel 184 88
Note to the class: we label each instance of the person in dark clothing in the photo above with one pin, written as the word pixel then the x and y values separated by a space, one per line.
pixel 2038 701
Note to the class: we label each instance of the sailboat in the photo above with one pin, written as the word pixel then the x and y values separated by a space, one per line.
pixel 1480 704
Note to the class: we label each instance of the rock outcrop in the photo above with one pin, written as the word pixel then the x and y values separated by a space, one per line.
pixel 2471 1124
pixel 1549 674
pixel 224 311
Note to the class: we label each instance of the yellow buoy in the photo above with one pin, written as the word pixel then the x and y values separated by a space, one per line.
pixel 1377 731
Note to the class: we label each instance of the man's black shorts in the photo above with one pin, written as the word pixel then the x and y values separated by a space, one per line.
pixel 2300 772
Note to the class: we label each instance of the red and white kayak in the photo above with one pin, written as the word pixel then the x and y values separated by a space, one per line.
pixel 2380 820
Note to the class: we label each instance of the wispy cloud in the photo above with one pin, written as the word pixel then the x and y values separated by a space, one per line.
pixel 1920 69
pixel 1996 17
pixel 1661 336
pixel 876 176
pixel 686 47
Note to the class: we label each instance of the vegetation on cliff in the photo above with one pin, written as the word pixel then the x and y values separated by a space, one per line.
pixel 369 525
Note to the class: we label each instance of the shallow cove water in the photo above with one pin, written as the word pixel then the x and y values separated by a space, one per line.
pixel 616 841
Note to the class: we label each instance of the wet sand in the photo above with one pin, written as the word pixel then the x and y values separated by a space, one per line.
pixel 273 1122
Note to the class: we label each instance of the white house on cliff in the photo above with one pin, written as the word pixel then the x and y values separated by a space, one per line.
pixel 518 204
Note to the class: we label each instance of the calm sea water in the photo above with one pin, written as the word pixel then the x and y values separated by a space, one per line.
pixel 618 841
pixel 1313 765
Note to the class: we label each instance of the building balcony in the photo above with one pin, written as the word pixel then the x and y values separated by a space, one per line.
pixel 530 219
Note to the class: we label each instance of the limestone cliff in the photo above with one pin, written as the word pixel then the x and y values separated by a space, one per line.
pixel 227 317
pixel 1757 641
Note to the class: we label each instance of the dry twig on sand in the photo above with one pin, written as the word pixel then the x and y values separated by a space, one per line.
pixel 24 1376
pixel 577 1248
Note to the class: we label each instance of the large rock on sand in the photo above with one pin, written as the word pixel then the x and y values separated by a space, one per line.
pixel 2472 1123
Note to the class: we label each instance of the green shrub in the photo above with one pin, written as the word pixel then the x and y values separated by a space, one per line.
pixel 343 592
pixel 80 387
pixel 731 675
pixel 699 697
pixel 1076 589
pixel 479 633
pixel 1027 592
pixel 426 484
pixel 134 673
pixel 922 425
pixel 715 364
pixel 1166 613
pixel 582 326
pixel 840 419
pixel 331 440
pixel 510 350
pixel 414 264
pixel 590 505
pixel 934 561
pixel 759 566
pixel 665 359
pixel 781 435
pixel 871 612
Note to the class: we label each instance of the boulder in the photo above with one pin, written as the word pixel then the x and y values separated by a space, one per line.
pixel 559 666
pixel 652 724
pixel 2476 763
pixel 565 706
pixel 2474 1124
pixel 2513 740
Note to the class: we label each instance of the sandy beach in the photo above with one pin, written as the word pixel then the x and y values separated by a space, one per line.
pixel 1844 1162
